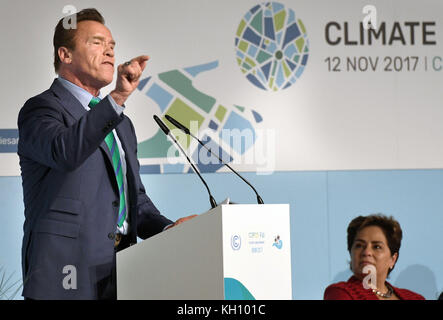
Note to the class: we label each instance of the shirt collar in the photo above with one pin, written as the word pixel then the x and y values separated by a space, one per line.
pixel 83 96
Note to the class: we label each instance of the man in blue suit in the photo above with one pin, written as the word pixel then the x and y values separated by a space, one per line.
pixel 84 199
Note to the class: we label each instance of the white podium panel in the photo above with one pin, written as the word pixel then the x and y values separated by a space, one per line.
pixel 231 252
pixel 256 252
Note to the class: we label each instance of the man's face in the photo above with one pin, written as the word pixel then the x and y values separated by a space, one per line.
pixel 93 56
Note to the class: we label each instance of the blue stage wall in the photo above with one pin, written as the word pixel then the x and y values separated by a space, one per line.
pixel 322 204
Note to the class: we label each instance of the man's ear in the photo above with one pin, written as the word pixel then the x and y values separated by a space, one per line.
pixel 65 55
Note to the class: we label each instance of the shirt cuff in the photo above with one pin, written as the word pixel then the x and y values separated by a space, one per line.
pixel 117 108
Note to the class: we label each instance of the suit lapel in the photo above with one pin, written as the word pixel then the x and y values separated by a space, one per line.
pixel 122 136
pixel 67 100
pixel 75 109
pixel 122 132
pixel 106 150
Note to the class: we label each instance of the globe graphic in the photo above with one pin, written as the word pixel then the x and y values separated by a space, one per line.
pixel 272 47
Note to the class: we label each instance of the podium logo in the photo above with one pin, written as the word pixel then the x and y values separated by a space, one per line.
pixel 278 243
pixel 235 242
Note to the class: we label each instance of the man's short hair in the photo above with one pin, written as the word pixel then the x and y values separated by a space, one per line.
pixel 65 37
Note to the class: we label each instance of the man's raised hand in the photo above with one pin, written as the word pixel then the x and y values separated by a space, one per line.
pixel 128 77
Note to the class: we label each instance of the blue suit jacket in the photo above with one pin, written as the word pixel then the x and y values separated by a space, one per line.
pixel 71 195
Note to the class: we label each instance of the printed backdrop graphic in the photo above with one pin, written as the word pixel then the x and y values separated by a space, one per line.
pixel 174 94
pixel 268 86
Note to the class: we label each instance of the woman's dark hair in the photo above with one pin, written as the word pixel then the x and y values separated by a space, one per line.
pixel 390 227
pixel 65 37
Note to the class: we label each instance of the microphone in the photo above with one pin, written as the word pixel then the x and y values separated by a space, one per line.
pixel 167 132
pixel 186 130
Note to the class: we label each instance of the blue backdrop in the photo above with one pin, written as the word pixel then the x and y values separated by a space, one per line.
pixel 322 204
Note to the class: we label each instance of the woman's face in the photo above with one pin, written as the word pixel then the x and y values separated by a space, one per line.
pixel 370 247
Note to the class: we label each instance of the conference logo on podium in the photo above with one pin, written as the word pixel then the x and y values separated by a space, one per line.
pixel 278 243
pixel 236 242
pixel 272 46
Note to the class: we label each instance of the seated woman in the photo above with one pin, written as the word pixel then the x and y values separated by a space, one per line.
pixel 374 244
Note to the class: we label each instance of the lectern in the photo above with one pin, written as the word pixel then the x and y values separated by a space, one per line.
pixel 232 252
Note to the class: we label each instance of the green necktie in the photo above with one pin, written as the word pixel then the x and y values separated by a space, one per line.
pixel 117 164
